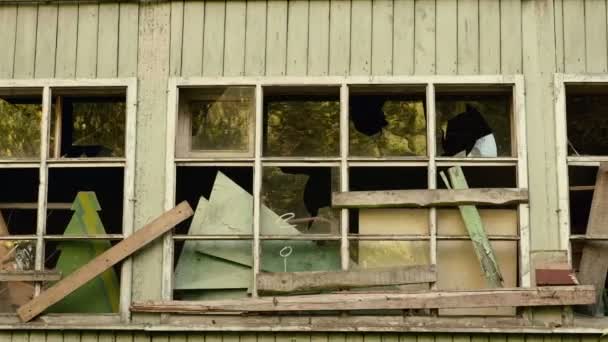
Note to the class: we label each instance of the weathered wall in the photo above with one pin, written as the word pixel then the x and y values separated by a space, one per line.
pixel 301 37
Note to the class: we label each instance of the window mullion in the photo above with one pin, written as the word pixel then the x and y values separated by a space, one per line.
pixel 43 183
pixel 344 251
pixel 432 169
pixel 257 185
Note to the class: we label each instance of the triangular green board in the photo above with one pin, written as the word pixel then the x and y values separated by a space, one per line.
pixel 100 295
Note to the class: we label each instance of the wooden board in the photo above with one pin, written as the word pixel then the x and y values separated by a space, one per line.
pixel 29 276
pixel 427 198
pixel 555 276
pixel 294 282
pixel 111 257
pixel 474 226
pixel 594 260
pixel 539 296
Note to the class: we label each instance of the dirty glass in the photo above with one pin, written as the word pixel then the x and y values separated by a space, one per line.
pixel 20 117
pixel 375 254
pixel 299 256
pixel 88 126
pixel 221 118
pixel 494 105
pixel 302 122
pixel 387 122
pixel 587 122
pixel 297 200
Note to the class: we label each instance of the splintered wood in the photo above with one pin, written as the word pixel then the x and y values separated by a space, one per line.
pixel 294 282
pixel 428 198
pixel 594 260
pixel 539 296
pixel 109 258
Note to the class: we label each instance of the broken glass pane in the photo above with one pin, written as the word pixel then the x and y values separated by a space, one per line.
pixel 300 256
pixel 20 116
pixel 587 123
pixel 302 122
pixel 19 200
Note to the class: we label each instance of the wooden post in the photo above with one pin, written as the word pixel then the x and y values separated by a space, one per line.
pixel 472 222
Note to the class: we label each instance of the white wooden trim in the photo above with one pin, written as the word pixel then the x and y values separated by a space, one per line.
pixel 67 83
pixel 561 154
pixel 431 149
pixel 523 210
pixel 344 150
pixel 257 185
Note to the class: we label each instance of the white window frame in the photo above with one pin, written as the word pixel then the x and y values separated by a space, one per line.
pixel 560 81
pixel 343 161
pixel 44 163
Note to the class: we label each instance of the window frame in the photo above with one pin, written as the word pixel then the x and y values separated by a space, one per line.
pixel 563 160
pixel 46 162
pixel 344 161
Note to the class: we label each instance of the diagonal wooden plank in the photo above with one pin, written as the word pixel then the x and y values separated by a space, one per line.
pixel 111 257
pixel 594 260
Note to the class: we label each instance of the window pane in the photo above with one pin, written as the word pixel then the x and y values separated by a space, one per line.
pixel 387 121
pixel 479 176
pixel 587 123
pixel 582 181
pixel 16 256
pixel 88 123
pixel 374 254
pixel 20 115
pixel 476 121
pixel 94 192
pixel 19 200
pixel 297 200
pixel 302 121
pixel 100 295
pixel 300 256
pixel 221 119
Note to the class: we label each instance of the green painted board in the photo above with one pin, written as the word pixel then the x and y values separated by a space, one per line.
pixel 100 295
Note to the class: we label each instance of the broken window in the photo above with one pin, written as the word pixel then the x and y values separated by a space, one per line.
pixel 58 170
pixel 587 124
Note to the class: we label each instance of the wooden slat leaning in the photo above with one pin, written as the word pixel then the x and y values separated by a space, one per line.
pixel 109 258
pixel 538 296
pixel 308 282
pixel 428 198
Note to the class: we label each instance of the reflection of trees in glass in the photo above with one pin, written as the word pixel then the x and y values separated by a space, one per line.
pixel 20 129
pixel 283 191
pixel 100 123
pixel 404 134
pixel 302 126
pixel 223 123
pixel 587 124
pixel 495 109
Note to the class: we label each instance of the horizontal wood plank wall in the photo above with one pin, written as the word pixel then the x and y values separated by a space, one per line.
pixel 94 336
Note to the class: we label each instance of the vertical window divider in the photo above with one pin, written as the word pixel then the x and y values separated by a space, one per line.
pixel 431 170
pixel 344 97
pixel 43 183
pixel 257 185
pixel 561 145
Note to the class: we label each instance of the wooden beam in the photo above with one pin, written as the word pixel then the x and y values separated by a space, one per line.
pixel 472 221
pixel 31 276
pixel 539 296
pixel 582 188
pixel 298 282
pixel 428 198
pixel 109 258
pixel 594 260
pixel 34 205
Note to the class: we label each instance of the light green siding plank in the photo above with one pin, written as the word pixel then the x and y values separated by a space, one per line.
pixel 213 337
pixel 595 35
pixel 319 337
pixel 54 336
pixel 276 38
pixel 442 338
pixel 25 49
pixel 424 57
pixel 266 337
pixel 425 338
pixel 67 37
pixel 489 37
pixel 255 38
pixel 468 37
pixel 372 337
pixel 590 338
pixel 234 45
pixel 336 337
pixel 339 37
pixel 497 338
pixel 213 50
pixel 389 337
pixel 515 338
pixel 447 37
pixel 160 337
pixel 46 41
pixel 569 338
pixel 559 35
pixel 153 71
pixel 539 66
pixel 20 336
pixel 361 38
pixel 352 337
pixel 107 45
pixel 128 40
pixel 37 336
pixel 318 38
pixel 107 336
pixel 140 336
pixel 178 337
pixel 196 337
pixel 408 337
pixel 71 336
pixel 297 37
pixel 88 336
pixel 124 336
pixel 382 37
pixel 5 335
pixel 574 36
pixel 403 37
pixel 8 23
pixel 510 36
pixel 461 338
pixel 230 337
pixel 192 53
pixel 177 31
pixel 479 338
pixel 86 50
